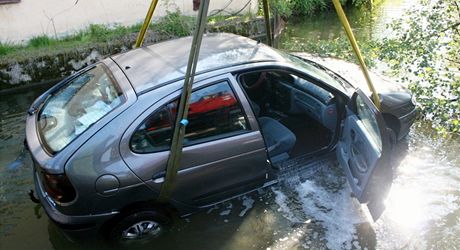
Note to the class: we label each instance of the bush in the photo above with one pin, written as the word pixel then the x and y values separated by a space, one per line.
pixel 288 8
pixel 175 24
pixel 426 52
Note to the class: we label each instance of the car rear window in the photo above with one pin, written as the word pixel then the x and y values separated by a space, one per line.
pixel 77 105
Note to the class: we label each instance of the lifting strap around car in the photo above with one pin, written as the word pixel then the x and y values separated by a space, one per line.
pixel 343 19
pixel 145 25
pixel 181 120
pixel 267 22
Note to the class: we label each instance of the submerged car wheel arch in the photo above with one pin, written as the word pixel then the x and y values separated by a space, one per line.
pixel 392 122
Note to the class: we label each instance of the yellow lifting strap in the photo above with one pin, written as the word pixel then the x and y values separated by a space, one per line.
pixel 148 17
pixel 354 44
pixel 267 22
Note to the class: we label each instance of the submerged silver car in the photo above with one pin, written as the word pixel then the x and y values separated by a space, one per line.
pixel 100 138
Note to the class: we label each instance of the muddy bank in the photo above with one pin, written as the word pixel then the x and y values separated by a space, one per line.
pixel 47 64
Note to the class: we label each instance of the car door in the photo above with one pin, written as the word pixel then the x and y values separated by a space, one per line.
pixel 223 154
pixel 364 152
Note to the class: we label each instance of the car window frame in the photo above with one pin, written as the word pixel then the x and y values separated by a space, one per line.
pixel 176 95
pixel 293 71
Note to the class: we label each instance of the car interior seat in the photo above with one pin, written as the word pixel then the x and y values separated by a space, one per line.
pixel 279 139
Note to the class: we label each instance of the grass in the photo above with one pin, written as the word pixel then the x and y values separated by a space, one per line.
pixel 6 48
pixel 174 24
pixel 41 41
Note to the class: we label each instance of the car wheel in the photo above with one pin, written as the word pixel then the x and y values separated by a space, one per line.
pixel 139 225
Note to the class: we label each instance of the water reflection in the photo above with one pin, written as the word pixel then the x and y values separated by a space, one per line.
pixel 423 208
pixel 16 212
pixel 367 25
pixel 404 207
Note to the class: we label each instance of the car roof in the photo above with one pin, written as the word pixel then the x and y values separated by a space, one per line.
pixel 152 66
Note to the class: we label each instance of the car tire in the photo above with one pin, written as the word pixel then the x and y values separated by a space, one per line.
pixel 138 225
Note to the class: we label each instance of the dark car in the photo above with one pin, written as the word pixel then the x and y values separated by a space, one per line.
pixel 100 139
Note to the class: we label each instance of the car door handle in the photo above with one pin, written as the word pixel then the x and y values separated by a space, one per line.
pixel 159 177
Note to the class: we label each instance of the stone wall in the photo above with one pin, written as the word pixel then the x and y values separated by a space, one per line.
pixel 50 65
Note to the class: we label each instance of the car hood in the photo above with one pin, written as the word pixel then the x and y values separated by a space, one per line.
pixel 353 74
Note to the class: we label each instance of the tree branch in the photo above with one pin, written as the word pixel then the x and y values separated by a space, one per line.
pixel 453 26
pixel 458 8
pixel 453 61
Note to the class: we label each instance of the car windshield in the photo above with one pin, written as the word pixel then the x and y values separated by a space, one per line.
pixel 318 73
pixel 74 107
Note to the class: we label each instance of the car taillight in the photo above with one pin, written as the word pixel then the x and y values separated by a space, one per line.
pixel 58 187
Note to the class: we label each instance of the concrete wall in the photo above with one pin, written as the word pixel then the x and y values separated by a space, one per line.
pixel 28 18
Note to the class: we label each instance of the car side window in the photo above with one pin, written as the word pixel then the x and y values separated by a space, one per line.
pixel 214 113
pixel 369 121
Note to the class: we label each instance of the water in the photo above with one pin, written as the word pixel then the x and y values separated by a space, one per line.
pixel 310 209
pixel 366 25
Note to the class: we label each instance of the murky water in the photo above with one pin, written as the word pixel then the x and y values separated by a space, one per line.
pixel 310 209
pixel 366 24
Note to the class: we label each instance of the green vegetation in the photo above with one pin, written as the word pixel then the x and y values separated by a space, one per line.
pixel 41 41
pixel 288 8
pixel 426 51
pixel 172 25
pixel 175 24
pixel 6 48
